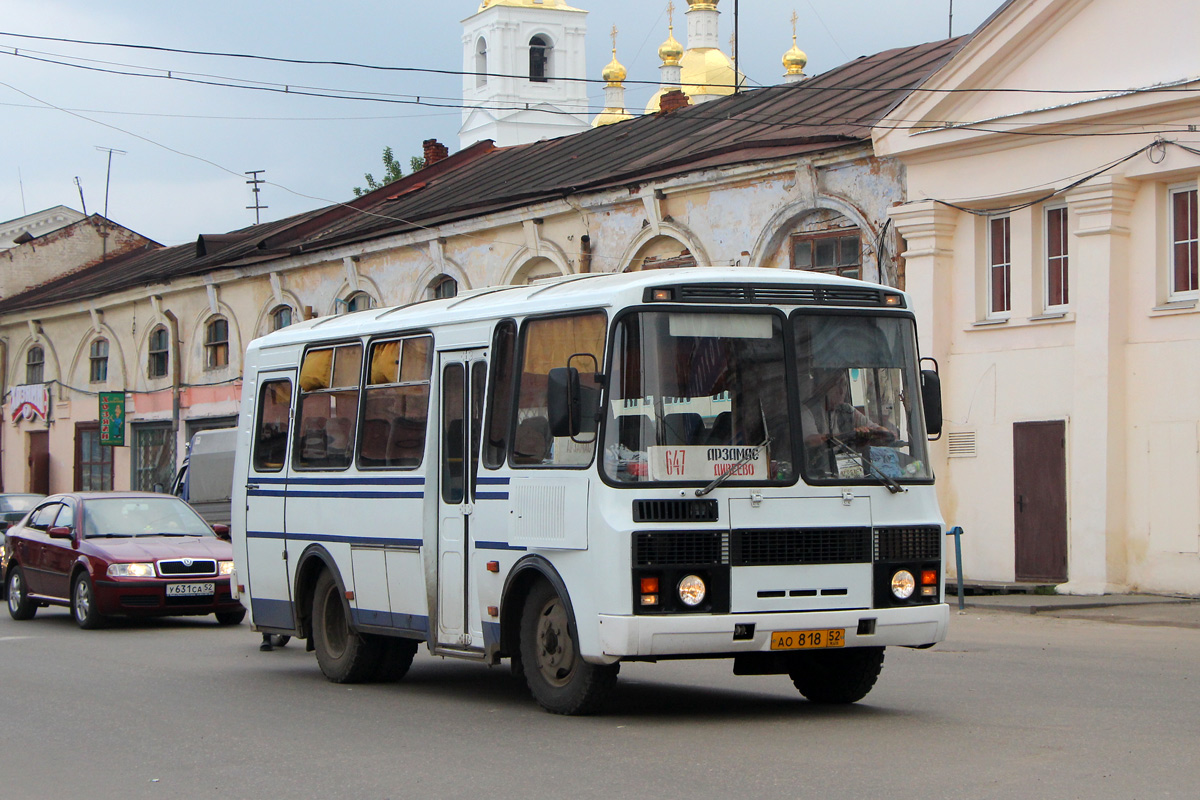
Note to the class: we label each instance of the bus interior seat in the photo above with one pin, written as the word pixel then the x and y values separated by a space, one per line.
pixel 683 428
pixel 313 440
pixel 406 443
pixel 722 429
pixel 531 444
pixel 376 433
pixel 339 430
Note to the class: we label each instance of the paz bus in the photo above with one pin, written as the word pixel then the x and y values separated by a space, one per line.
pixel 692 463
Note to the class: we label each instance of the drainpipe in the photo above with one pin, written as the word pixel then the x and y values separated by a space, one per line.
pixel 585 253
pixel 175 374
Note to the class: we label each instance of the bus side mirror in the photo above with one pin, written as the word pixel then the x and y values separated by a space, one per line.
pixel 562 401
pixel 931 396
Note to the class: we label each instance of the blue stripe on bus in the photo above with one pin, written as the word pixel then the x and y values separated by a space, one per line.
pixel 498 546
pixel 272 613
pixel 337 495
pixel 491 495
pixel 361 480
pixel 376 541
pixel 410 623
pixel 492 481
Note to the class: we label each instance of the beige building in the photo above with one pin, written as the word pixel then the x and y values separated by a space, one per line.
pixel 1052 169
pixel 709 185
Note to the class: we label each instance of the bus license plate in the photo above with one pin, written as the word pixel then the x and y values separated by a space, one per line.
pixel 808 640
pixel 190 589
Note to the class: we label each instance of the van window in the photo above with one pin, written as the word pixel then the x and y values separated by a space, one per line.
pixel 328 408
pixel 576 341
pixel 396 403
pixel 271 435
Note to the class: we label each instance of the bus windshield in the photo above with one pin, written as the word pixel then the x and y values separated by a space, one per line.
pixel 859 415
pixel 694 396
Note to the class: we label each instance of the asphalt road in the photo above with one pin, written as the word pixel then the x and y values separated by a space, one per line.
pixel 1012 705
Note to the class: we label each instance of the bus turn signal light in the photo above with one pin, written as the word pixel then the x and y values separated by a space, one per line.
pixel 929 576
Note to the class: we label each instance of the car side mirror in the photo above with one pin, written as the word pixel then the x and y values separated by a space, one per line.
pixel 222 532
pixel 59 532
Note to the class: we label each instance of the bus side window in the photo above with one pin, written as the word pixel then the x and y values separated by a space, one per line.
pixel 504 353
pixel 547 344
pixel 271 432
pixel 328 408
pixel 396 403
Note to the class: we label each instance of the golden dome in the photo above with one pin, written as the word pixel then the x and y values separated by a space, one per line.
pixel 671 51
pixel 610 115
pixel 555 4
pixel 615 72
pixel 706 71
pixel 795 60
pixel 707 5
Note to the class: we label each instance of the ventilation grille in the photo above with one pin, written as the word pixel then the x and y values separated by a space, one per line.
pixel 674 510
pixel 961 444
pixel 908 544
pixel 809 295
pixel 752 548
pixel 680 548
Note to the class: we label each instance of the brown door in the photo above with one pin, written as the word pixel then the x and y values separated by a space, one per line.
pixel 1040 500
pixel 39 462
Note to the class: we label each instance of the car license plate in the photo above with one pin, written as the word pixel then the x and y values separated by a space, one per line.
pixel 190 589
pixel 808 640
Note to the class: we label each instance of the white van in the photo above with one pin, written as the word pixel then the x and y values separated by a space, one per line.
pixel 205 479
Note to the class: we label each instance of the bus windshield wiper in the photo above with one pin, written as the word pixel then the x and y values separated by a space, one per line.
pixel 869 465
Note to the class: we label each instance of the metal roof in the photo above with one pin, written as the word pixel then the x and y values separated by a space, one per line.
pixel 828 111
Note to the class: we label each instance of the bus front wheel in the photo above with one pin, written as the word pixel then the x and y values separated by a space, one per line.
pixel 344 655
pixel 837 676
pixel 559 679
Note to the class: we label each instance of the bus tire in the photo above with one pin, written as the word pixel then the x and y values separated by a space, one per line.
pixel 19 605
pixel 397 658
pixel 836 677
pixel 558 678
pixel 344 655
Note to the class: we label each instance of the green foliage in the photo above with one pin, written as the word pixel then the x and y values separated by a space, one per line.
pixel 392 172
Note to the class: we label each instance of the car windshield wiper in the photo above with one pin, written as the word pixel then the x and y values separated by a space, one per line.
pixel 109 536
pixel 869 465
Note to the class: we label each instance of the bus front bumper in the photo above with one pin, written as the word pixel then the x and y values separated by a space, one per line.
pixel 699 635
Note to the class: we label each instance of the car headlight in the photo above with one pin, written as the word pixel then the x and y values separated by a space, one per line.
pixel 134 570
pixel 692 590
pixel 903 584
pixel 225 567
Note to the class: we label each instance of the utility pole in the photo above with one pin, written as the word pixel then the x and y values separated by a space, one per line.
pixel 82 202
pixel 737 76
pixel 107 180
pixel 950 32
pixel 255 181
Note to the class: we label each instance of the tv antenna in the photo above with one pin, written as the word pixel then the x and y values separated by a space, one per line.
pixel 107 181
pixel 255 181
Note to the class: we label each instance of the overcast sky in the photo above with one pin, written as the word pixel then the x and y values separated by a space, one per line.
pixel 187 145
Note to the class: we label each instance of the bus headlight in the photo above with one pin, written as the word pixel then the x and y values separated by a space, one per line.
pixel 903 584
pixel 692 590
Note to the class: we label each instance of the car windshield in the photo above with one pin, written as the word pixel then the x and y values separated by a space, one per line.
pixel 19 502
pixel 860 413
pixel 141 516
pixel 694 396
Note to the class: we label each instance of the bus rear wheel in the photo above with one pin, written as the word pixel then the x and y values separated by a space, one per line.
pixel 558 678
pixel 836 677
pixel 344 655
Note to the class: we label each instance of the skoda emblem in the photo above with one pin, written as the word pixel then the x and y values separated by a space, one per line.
pixel 187 562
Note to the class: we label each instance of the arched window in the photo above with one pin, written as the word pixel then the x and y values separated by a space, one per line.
pixel 359 301
pixel 443 286
pixel 281 317
pixel 98 361
pixel 159 355
pixel 35 365
pixel 539 59
pixel 481 63
pixel 216 343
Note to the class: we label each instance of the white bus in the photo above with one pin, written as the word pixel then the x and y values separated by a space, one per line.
pixel 692 463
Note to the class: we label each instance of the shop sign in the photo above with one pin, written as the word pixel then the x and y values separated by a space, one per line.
pixel 30 400
pixel 112 419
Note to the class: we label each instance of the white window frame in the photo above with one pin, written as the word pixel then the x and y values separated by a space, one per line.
pixel 989 295
pixel 1047 304
pixel 1174 295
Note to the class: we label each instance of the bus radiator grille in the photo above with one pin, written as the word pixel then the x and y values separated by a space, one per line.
pixel 792 546
pixel 680 548
pixel 675 511
pixel 918 543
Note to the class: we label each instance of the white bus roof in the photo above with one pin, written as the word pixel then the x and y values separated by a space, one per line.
pixel 588 290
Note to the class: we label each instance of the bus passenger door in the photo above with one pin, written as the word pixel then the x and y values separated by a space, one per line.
pixel 266 489
pixel 462 390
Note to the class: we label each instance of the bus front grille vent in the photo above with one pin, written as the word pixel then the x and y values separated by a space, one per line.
pixel 814 295
pixel 674 510
pixel 851 296
pixel 786 546
pixel 918 543
pixel 680 548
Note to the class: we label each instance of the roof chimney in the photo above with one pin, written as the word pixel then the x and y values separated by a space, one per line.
pixel 673 101
pixel 435 151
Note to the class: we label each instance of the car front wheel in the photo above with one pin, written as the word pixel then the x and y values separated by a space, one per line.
pixel 83 603
pixel 231 617
pixel 19 604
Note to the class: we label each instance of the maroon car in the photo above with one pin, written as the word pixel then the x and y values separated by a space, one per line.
pixel 127 553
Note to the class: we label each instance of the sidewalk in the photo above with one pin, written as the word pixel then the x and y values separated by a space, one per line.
pixel 1127 609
